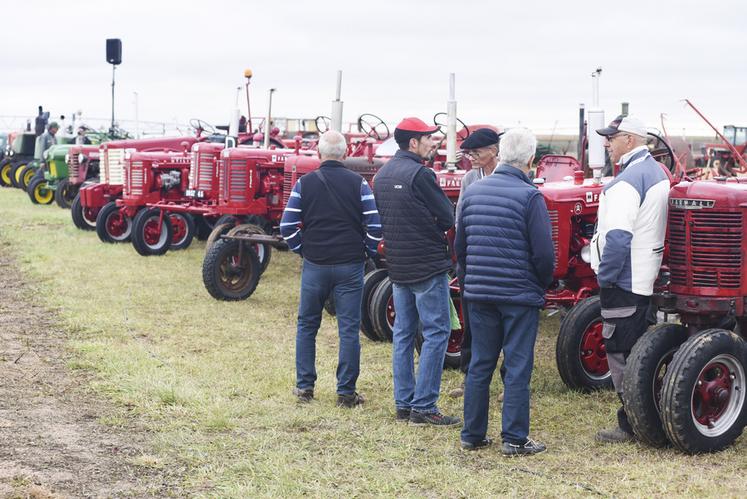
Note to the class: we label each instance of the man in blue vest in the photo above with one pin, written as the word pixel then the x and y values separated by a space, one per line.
pixel 504 247
pixel 415 213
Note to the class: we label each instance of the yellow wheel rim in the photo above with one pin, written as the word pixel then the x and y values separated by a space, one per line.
pixel 42 194
pixel 5 173
pixel 28 175
pixel 19 170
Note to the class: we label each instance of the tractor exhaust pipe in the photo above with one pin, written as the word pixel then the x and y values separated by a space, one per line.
pixel 268 122
pixel 596 120
pixel 233 124
pixel 248 76
pixel 336 121
pixel 451 115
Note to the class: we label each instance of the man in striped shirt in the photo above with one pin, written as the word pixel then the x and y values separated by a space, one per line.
pixel 331 220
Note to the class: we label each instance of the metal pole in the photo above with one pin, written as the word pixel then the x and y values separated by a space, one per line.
pixel 451 112
pixel 336 123
pixel 580 148
pixel 248 76
pixel 114 67
pixel 137 118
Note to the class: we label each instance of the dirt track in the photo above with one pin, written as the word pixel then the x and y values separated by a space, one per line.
pixel 51 442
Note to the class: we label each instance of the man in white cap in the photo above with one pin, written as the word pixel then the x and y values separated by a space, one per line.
pixel 627 249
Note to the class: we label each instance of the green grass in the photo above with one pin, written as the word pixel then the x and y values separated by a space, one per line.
pixel 212 381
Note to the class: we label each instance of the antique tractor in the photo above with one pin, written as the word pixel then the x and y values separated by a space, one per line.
pixel 83 166
pixel 93 197
pixel 14 165
pixel 686 383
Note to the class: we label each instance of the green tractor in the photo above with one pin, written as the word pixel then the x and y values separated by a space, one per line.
pixel 14 166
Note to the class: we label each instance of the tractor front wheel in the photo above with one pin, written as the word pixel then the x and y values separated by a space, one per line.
pixel 264 251
pixel 15 174
pixel 5 167
pixel 83 218
pixel 703 397
pixel 381 310
pixel 183 230
pixel 39 192
pixel 580 352
pixel 370 282
pixel 231 270
pixel 25 176
pixel 65 193
pixel 113 225
pixel 646 367
pixel 152 233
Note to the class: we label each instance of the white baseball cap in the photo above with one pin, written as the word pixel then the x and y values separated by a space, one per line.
pixel 627 124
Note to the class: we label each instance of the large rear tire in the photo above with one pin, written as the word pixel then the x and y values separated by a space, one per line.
pixel 65 193
pixel 230 270
pixel 580 352
pixel 381 310
pixel 83 218
pixel 370 282
pixel 113 225
pixel 38 192
pixel 703 398
pixel 151 236
pixel 646 367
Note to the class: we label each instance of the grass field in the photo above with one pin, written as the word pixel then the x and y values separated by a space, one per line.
pixel 212 382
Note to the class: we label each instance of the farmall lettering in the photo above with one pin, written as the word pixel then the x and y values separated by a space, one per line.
pixel 450 182
pixel 691 204
pixel 592 197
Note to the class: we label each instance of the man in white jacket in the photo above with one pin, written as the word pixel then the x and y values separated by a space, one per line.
pixel 627 249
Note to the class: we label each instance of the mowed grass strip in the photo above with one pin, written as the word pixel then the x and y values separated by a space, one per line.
pixel 212 381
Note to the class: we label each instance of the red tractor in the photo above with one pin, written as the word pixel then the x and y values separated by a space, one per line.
pixel 93 197
pixel 686 382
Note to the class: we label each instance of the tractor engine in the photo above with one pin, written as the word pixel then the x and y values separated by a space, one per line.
pixel 153 176
pixel 171 179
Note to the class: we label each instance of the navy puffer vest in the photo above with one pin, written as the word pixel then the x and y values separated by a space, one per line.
pixel 499 269
pixel 416 249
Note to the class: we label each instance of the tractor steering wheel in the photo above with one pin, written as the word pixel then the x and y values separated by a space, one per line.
pixel 201 126
pixel 323 123
pixel 369 124
pixel 461 134
pixel 661 151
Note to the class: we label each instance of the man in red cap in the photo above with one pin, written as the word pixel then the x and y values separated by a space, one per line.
pixel 415 213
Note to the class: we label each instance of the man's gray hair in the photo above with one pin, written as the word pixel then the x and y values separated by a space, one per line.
pixel 518 145
pixel 332 145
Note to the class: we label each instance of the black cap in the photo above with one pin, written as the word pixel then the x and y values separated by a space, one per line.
pixel 482 137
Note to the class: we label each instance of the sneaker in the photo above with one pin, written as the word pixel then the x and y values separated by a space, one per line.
pixel 526 449
pixel 614 436
pixel 353 400
pixel 403 415
pixel 433 418
pixel 485 442
pixel 304 395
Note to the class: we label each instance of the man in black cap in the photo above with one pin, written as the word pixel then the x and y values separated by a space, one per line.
pixel 481 147
pixel 415 214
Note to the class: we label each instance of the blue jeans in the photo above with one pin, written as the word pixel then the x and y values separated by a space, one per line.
pixel 317 282
pixel 425 303
pixel 512 328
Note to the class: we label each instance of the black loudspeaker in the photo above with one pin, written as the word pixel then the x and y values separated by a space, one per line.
pixel 114 51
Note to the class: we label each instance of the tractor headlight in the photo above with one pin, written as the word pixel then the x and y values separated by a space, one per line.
pixel 81 158
pixel 586 253
pixel 67 158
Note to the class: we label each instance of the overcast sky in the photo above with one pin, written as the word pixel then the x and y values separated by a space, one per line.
pixel 525 61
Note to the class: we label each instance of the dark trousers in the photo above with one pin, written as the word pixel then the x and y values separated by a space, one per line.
pixel 466 353
pixel 495 328
pixel 626 317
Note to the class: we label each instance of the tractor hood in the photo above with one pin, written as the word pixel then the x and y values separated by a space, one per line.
pixel 709 194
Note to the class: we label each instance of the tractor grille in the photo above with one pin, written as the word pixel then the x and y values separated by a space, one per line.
pixel 705 248
pixel 73 167
pixel 288 183
pixel 554 222
pixel 237 180
pixel 135 179
pixel 113 170
pixel 202 171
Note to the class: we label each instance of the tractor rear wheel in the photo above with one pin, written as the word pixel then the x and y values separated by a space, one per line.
pixel 703 397
pixel 39 193
pixel 646 367
pixel 15 172
pixel 152 234
pixel 83 218
pixel 264 251
pixel 112 224
pixel 5 167
pixel 381 310
pixel 230 270
pixel 580 352
pixel 25 176
pixel 183 226
pixel 370 282
pixel 65 193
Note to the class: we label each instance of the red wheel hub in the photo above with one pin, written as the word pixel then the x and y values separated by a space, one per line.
pixel 179 229
pixel 712 393
pixel 152 231
pixel 592 353
pixel 116 224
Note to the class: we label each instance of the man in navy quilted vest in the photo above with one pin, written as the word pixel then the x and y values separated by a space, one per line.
pixel 504 248
pixel 627 249
pixel 415 213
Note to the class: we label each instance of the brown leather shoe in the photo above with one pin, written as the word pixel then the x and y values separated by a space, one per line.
pixel 614 436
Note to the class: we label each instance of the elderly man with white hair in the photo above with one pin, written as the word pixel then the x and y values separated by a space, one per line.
pixel 627 249
pixel 331 220
pixel 505 252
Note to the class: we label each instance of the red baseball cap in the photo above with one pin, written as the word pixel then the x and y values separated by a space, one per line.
pixel 416 125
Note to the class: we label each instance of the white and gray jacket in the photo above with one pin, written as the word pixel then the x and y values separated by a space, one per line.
pixel 628 244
